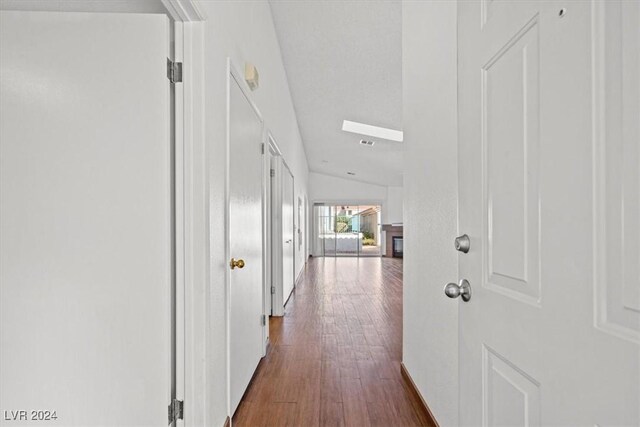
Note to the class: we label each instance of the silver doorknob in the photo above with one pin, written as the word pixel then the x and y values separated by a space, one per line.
pixel 462 243
pixel 463 289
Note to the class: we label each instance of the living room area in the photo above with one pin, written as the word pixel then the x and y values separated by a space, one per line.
pixel 352 218
pixel 348 230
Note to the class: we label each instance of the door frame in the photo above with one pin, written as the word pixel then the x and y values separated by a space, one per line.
pixel 271 151
pixel 282 299
pixel 234 75
pixel 189 179
pixel 275 255
pixel 332 202
pixel 305 234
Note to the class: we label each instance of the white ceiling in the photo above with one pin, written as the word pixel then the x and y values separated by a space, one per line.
pixel 344 62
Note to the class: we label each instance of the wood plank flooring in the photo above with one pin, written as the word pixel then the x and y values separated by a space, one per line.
pixel 334 358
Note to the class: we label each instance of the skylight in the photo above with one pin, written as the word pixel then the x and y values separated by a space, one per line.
pixel 370 130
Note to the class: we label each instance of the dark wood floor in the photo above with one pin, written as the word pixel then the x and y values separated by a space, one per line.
pixel 335 356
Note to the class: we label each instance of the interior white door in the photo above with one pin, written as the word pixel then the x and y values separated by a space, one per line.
pixel 547 339
pixel 288 232
pixel 85 219
pixel 245 240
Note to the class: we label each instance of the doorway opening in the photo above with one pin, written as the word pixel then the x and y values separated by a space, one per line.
pixel 283 234
pixel 348 230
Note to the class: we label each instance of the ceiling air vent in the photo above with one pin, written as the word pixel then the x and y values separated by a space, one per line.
pixel 365 142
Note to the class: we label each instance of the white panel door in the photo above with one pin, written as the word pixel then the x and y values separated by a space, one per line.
pixel 550 335
pixel 288 231
pixel 85 219
pixel 245 240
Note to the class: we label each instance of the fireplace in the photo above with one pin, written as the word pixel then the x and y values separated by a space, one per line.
pixel 397 246
pixel 392 231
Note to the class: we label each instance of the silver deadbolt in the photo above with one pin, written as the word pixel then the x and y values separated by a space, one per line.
pixel 463 290
pixel 462 243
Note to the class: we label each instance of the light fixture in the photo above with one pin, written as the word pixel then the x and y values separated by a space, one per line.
pixel 370 130
pixel 251 76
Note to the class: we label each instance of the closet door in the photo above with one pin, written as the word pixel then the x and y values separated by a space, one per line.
pixel 85 219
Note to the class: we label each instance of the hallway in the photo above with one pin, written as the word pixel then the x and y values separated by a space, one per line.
pixel 335 356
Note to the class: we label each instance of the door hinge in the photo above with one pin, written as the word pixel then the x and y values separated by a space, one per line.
pixel 174 71
pixel 263 319
pixel 273 173
pixel 175 410
pixel 262 148
pixel 273 290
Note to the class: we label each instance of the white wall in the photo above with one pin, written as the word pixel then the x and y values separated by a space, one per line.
pixel 430 320
pixel 328 188
pixel 244 32
pixel 332 188
pixel 394 210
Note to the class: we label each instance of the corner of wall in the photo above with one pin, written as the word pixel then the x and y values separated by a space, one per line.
pixel 430 353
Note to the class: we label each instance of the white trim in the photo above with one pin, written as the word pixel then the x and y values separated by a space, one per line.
pixel 307 212
pixel 239 78
pixel 271 151
pixel 371 130
pixel 235 75
pixel 273 253
pixel 266 238
pixel 277 308
pixel 350 202
pixel 179 220
pixel 227 248
pixel 195 213
pixel 299 274
pixel 191 189
pixel 294 241
pixel 272 142
pixel 599 132
pixel 278 298
pixel 183 10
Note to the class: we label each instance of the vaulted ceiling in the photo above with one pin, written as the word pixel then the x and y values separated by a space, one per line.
pixel 344 62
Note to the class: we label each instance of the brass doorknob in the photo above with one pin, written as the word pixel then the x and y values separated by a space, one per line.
pixel 236 263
